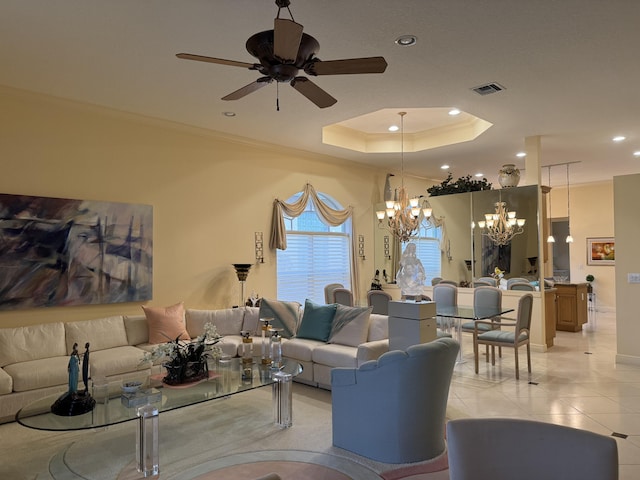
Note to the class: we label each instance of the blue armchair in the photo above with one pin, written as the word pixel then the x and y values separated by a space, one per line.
pixel 393 409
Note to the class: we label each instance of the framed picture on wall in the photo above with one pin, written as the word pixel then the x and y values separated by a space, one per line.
pixel 601 251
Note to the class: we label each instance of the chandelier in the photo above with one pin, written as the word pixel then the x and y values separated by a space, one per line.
pixel 403 214
pixel 502 225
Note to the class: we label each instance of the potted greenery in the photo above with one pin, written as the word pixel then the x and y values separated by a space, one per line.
pixel 590 278
pixel 463 184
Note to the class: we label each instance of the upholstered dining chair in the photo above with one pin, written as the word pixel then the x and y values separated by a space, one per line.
pixel 393 409
pixel 508 448
pixel 446 295
pixel 436 280
pixel 379 300
pixel 513 280
pixel 328 292
pixel 484 296
pixel 490 280
pixel 481 283
pixel 501 338
pixel 521 286
pixel 448 282
pixel 343 296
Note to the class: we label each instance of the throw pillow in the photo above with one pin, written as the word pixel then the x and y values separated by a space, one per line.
pixel 166 324
pixel 285 315
pixel 350 325
pixel 316 321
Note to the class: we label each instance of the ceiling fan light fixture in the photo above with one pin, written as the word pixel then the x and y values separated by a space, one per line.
pixel 406 40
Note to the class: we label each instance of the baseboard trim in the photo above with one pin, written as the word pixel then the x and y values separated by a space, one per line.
pixel 628 360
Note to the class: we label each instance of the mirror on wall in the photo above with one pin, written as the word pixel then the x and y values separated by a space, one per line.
pixel 465 253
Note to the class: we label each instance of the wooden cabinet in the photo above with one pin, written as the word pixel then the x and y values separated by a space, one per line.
pixel 571 306
pixel 550 316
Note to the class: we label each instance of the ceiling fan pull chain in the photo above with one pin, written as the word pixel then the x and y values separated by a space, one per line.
pixel 277 96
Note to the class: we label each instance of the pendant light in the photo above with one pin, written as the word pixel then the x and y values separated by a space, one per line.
pixel 569 238
pixel 550 238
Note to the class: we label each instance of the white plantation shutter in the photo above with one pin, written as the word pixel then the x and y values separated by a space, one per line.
pixel 428 251
pixel 317 254
pixel 310 262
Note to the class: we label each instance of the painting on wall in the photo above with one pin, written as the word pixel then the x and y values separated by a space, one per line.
pixel 495 256
pixel 63 252
pixel 601 251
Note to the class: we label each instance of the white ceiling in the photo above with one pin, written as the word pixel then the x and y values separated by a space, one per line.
pixel 570 69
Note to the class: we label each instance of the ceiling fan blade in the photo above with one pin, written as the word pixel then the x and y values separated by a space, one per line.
pixel 313 92
pixel 287 35
pixel 347 66
pixel 247 89
pixel 221 61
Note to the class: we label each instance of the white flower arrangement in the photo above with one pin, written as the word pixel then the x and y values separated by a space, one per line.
pixel 178 351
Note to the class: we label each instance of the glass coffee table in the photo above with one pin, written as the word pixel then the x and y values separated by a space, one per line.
pixel 226 379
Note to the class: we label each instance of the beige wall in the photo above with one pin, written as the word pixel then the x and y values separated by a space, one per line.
pixel 591 216
pixel 209 193
pixel 626 200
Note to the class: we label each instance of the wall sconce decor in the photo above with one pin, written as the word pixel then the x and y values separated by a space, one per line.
pixel 361 246
pixel 259 245
pixel 387 250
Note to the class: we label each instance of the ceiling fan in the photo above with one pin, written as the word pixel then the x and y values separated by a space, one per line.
pixel 283 52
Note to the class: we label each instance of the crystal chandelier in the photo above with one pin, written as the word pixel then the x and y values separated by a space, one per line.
pixel 404 214
pixel 502 225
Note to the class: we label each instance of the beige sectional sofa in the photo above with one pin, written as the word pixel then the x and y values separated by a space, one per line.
pixel 34 359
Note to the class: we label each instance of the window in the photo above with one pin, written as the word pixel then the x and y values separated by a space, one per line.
pixel 428 250
pixel 316 255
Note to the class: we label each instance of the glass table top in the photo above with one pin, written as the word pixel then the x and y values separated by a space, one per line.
pixel 471 313
pixel 224 380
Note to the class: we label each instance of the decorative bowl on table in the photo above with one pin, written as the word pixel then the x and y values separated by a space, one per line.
pixel 131 386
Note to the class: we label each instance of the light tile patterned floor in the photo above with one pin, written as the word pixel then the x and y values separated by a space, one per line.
pixel 577 382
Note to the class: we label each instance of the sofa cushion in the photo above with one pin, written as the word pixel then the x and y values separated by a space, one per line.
pixel 228 321
pixel 251 319
pixel 21 344
pixel 41 373
pixel 378 327
pixel 316 321
pixel 116 361
pixel 6 383
pixel 137 329
pixel 300 348
pixel 334 355
pixel 166 323
pixel 285 315
pixel 350 325
pixel 101 334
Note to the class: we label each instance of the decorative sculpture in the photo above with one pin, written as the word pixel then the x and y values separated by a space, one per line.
pixel 411 276
pixel 74 402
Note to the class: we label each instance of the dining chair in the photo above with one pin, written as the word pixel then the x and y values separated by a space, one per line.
pixel 446 295
pixel 343 296
pixel 448 282
pixel 511 281
pixel 379 300
pixel 484 297
pixel 481 283
pixel 490 280
pixel 521 286
pixel 436 280
pixel 328 292
pixel 500 338
pixel 507 448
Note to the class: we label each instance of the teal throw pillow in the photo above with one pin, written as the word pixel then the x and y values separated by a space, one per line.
pixel 316 321
pixel 285 315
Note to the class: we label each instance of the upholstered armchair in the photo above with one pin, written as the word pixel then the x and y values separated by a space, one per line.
pixel 393 409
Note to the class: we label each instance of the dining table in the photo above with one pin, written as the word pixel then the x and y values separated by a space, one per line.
pixel 460 313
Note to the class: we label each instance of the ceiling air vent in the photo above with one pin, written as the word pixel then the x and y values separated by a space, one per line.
pixel 488 88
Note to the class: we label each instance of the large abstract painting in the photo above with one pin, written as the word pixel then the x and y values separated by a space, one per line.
pixel 61 252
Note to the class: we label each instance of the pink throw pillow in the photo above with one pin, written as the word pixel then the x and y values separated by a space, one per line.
pixel 166 324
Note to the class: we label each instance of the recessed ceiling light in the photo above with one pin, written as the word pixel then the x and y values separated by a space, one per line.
pixel 394 128
pixel 229 114
pixel 479 175
pixel 636 153
pixel 521 154
pixel 454 111
pixel 445 167
pixel 619 138
pixel 406 40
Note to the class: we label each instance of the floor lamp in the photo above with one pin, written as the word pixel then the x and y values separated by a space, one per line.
pixel 242 270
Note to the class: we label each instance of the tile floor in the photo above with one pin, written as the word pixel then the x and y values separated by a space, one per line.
pixel 576 383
